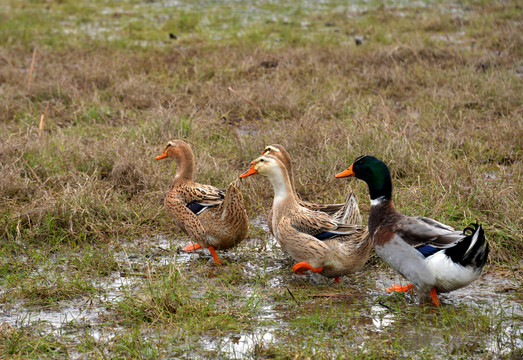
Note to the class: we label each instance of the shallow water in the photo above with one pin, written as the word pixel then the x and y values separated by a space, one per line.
pixel 218 20
pixel 362 295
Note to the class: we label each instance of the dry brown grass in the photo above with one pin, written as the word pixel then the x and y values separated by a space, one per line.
pixel 434 91
pixel 446 117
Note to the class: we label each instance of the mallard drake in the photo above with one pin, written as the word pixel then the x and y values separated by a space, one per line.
pixel 433 256
pixel 212 218
pixel 312 238
pixel 347 213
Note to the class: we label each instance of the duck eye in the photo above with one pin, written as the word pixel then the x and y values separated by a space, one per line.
pixel 262 160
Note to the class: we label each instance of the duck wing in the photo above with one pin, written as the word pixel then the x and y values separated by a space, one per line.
pixel 320 225
pixel 350 212
pixel 185 218
pixel 201 197
pixel 428 236
pixel 208 194
pixel 330 209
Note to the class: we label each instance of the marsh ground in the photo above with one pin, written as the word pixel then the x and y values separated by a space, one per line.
pixel 89 262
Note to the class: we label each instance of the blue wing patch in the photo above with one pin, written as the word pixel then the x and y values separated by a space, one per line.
pixel 195 207
pixel 325 235
pixel 427 250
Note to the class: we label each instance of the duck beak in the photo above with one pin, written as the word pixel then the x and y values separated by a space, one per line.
pixel 249 172
pixel 346 173
pixel 163 156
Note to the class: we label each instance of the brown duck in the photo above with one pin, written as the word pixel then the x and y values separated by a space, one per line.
pixel 347 213
pixel 312 238
pixel 214 219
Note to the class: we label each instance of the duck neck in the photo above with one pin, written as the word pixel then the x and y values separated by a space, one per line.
pixel 380 189
pixel 281 184
pixel 286 160
pixel 382 212
pixel 382 209
pixel 185 166
pixel 288 166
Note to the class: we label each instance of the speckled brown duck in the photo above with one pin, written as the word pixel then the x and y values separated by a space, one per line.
pixel 347 213
pixel 314 239
pixel 212 218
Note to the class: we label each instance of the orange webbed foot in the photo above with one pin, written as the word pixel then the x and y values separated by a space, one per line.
pixel 399 288
pixel 192 247
pixel 337 280
pixel 303 266
pixel 434 296
pixel 214 255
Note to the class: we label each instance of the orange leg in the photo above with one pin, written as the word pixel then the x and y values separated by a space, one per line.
pixel 337 279
pixel 192 247
pixel 434 296
pixel 214 255
pixel 303 266
pixel 399 288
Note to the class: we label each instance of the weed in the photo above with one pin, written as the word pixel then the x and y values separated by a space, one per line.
pixel 433 89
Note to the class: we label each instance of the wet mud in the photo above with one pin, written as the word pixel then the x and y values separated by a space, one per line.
pixel 265 275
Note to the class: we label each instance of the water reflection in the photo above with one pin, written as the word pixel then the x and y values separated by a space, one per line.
pixel 381 318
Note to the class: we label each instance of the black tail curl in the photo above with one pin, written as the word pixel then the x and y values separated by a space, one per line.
pixel 477 255
pixel 472 228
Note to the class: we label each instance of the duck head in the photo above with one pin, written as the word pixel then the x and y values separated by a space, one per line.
pixel 265 165
pixel 279 152
pixel 181 152
pixel 275 171
pixel 272 149
pixel 374 172
pixel 175 149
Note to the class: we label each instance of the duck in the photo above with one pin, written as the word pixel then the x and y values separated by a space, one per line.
pixel 314 239
pixel 213 218
pixel 433 257
pixel 347 212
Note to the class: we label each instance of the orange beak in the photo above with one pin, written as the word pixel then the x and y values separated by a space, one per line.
pixel 163 156
pixel 346 173
pixel 249 172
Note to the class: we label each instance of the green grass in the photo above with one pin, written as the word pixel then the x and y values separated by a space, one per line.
pixel 434 91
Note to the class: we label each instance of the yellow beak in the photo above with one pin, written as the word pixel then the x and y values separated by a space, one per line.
pixel 163 156
pixel 346 173
pixel 249 172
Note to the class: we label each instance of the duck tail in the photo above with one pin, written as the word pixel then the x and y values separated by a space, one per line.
pixel 472 250
pixel 350 212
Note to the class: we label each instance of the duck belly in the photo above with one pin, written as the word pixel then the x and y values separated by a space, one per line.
pixel 408 262
pixel 448 274
pixel 334 267
pixel 345 257
pixel 223 238
pixel 224 233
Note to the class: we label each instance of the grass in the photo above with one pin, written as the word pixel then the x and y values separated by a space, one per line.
pixel 434 91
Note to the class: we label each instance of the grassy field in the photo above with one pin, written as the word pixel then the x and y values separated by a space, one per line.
pixel 90 263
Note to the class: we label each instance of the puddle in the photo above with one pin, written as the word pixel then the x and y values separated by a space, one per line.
pixel 248 343
pixel 492 296
pixel 489 289
pixel 490 175
pixel 238 347
pixel 247 130
pixel 54 318
pixel 216 20
pixel 380 317
pixel 67 317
